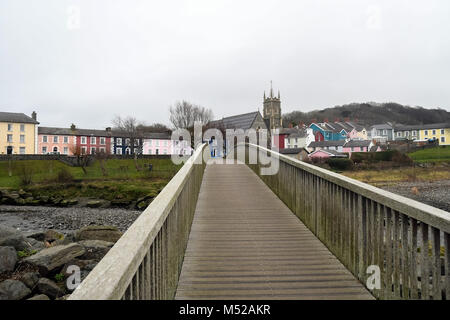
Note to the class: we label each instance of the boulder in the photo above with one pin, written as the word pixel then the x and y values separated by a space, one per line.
pixel 49 288
pixel 13 290
pixel 39 297
pixel 52 235
pixel 105 233
pixel 39 236
pixel 30 279
pixel 6 232
pixel 17 241
pixel 51 258
pixel 95 249
pixel 94 204
pixel 8 259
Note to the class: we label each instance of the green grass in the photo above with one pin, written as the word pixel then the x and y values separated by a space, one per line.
pixel 438 154
pixel 119 183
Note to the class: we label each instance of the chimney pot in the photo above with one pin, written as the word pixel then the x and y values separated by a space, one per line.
pixel 34 115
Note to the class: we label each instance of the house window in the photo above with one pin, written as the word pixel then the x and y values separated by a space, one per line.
pixel 150 141
pixel 9 138
pixel 426 132
pixel 22 138
pixel 44 150
pixel 55 149
pixel 127 142
pixel 157 143
pixel 165 142
pixel 442 139
pixel 102 150
pixel 165 151
pixel 136 142
pixel 102 140
pixel 361 149
pixel 83 141
pixel 66 150
pixel 434 132
pixel 384 132
pixel 83 150
pixel 22 150
pixel 93 140
pixel 93 150
pixel 119 141
pixel 119 151
pixel 157 151
pixel 66 139
pixel 406 134
pixel 10 127
pixel 399 134
pixel 55 139
pixel 22 128
pixel 414 133
pixel 149 151
pixel 442 131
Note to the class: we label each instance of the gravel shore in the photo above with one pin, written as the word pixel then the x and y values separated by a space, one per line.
pixel 436 194
pixel 64 220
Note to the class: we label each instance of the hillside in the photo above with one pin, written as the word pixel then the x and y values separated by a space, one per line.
pixel 371 113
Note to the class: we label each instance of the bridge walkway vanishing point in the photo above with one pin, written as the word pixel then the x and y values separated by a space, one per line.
pixel 245 243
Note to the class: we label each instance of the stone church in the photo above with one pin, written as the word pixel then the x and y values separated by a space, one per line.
pixel 272 110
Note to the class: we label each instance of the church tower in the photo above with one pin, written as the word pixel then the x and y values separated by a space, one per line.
pixel 272 110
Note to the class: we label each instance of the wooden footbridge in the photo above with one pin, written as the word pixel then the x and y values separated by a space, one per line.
pixel 223 231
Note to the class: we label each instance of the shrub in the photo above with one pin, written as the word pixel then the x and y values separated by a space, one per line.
pixel 64 175
pixel 340 164
pixel 26 175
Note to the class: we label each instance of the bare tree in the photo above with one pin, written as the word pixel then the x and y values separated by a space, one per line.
pixel 183 115
pixel 82 156
pixel 156 127
pixel 130 127
pixel 102 157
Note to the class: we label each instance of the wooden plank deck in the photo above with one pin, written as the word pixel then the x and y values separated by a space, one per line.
pixel 245 243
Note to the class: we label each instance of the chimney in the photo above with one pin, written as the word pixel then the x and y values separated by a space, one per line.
pixel 108 129
pixel 72 127
pixel 34 116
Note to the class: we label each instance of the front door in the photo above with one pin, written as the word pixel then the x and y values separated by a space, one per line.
pixel 9 149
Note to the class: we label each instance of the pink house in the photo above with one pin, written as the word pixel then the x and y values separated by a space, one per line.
pixel 325 154
pixel 160 143
pixel 56 140
pixel 357 146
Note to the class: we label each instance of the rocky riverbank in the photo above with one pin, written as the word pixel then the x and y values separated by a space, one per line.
pixel 434 193
pixel 24 198
pixel 37 265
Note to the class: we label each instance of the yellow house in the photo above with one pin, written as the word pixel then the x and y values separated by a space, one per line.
pixel 438 131
pixel 18 133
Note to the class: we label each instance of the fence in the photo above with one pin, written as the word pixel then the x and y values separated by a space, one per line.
pixel 146 261
pixel 365 226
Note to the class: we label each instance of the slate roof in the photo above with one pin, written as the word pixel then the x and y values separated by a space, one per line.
pixel 381 126
pixel 16 117
pixel 240 121
pixel 70 132
pixel 292 150
pixel 357 143
pixel 321 144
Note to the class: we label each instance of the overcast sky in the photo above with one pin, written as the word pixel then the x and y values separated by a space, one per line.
pixel 84 61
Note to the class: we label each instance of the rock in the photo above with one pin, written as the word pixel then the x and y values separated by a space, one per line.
pixel 72 202
pixel 35 244
pixel 8 259
pixel 94 204
pixel 51 258
pixel 13 290
pixel 52 235
pixel 120 203
pixel 6 232
pixel 49 288
pixel 39 297
pixel 17 241
pixel 30 279
pixel 39 236
pixel 82 264
pixel 95 249
pixel 93 232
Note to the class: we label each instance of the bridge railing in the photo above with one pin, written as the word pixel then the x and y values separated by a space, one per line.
pixel 146 261
pixel 369 229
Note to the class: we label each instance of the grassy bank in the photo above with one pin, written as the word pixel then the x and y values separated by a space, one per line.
pixel 439 154
pixel 55 179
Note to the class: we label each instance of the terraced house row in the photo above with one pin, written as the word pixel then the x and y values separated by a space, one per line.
pixel 20 134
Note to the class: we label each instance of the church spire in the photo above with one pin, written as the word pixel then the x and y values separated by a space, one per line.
pixel 278 94
pixel 271 89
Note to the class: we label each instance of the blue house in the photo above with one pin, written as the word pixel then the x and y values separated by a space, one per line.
pixel 329 131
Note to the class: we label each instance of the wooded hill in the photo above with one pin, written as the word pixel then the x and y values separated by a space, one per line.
pixel 369 114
